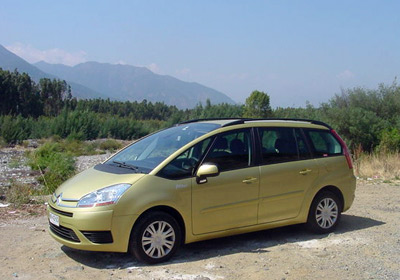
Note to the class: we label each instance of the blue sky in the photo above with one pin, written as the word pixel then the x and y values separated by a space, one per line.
pixel 296 51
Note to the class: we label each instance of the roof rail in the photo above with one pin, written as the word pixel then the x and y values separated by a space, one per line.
pixel 209 119
pixel 236 121
pixel 293 119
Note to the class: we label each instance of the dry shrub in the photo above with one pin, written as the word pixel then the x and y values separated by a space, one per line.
pixel 110 145
pixel 381 165
pixel 19 193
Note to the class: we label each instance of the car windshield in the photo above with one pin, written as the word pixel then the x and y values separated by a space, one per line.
pixel 145 154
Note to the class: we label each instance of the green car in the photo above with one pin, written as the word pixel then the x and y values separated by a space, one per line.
pixel 204 179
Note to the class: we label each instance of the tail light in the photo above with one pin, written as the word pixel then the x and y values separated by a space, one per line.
pixel 346 151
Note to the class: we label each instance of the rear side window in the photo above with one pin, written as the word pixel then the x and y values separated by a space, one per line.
pixel 304 152
pixel 282 144
pixel 324 143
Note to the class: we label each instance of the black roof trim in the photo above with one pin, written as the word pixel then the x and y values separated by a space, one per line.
pixel 210 119
pixel 293 119
pixel 236 121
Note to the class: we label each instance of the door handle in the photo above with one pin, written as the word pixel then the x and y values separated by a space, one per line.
pixel 249 180
pixel 305 171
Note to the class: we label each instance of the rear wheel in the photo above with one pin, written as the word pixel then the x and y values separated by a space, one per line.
pixel 325 213
pixel 155 238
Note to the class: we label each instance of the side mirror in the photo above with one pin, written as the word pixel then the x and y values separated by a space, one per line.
pixel 206 170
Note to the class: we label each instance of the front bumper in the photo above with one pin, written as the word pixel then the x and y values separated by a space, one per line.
pixel 98 230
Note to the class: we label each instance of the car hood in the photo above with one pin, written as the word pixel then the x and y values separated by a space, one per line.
pixel 94 179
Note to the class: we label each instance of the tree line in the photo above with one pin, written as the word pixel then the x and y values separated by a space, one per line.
pixel 20 95
pixel 368 119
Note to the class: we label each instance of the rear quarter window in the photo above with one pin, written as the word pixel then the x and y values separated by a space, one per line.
pixel 324 144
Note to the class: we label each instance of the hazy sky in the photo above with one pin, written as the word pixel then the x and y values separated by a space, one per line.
pixel 293 50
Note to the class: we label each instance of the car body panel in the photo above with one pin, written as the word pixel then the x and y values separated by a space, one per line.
pixel 282 189
pixel 120 228
pixel 91 180
pixel 226 201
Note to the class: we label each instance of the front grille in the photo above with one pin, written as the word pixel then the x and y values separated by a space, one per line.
pixel 68 214
pixel 100 237
pixel 64 232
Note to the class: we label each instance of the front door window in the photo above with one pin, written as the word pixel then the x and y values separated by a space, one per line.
pixel 231 150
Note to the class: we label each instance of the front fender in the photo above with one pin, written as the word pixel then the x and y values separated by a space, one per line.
pixel 152 191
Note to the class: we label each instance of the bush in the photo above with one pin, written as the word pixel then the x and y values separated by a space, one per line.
pixel 3 143
pixel 19 193
pixel 77 147
pixel 14 130
pixel 54 164
pixel 41 158
pixel 390 140
pixel 88 149
pixel 110 145
pixel 61 167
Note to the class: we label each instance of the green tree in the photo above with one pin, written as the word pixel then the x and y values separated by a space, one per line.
pixel 390 140
pixel 18 94
pixel 54 94
pixel 257 105
pixel 14 129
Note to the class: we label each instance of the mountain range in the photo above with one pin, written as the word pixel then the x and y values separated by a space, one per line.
pixel 117 82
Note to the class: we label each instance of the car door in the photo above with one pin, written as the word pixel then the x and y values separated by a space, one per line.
pixel 286 173
pixel 229 200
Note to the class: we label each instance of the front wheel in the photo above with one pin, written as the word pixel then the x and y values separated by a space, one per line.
pixel 155 238
pixel 325 213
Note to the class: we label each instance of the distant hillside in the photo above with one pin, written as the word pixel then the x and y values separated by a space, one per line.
pixel 117 82
pixel 10 62
pixel 125 82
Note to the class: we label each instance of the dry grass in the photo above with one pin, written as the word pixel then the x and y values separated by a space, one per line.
pixel 385 166
pixel 19 193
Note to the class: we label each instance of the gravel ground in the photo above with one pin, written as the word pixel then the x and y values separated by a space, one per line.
pixel 366 245
pixel 84 162
pixel 13 167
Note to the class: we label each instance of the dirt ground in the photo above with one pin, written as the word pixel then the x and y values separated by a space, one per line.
pixel 366 245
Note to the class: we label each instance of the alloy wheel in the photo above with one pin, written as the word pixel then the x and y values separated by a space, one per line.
pixel 326 213
pixel 158 239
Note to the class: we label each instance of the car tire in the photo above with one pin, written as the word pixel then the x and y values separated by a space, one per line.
pixel 155 238
pixel 325 213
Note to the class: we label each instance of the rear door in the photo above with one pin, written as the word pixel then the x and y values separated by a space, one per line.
pixel 287 171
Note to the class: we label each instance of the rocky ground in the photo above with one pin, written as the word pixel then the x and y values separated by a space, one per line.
pixel 366 245
pixel 13 167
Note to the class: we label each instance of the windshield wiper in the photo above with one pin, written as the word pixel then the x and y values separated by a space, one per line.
pixel 126 165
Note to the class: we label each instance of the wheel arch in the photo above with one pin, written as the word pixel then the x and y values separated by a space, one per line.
pixel 334 190
pixel 169 210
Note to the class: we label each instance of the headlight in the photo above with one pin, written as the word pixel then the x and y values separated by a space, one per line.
pixel 106 196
